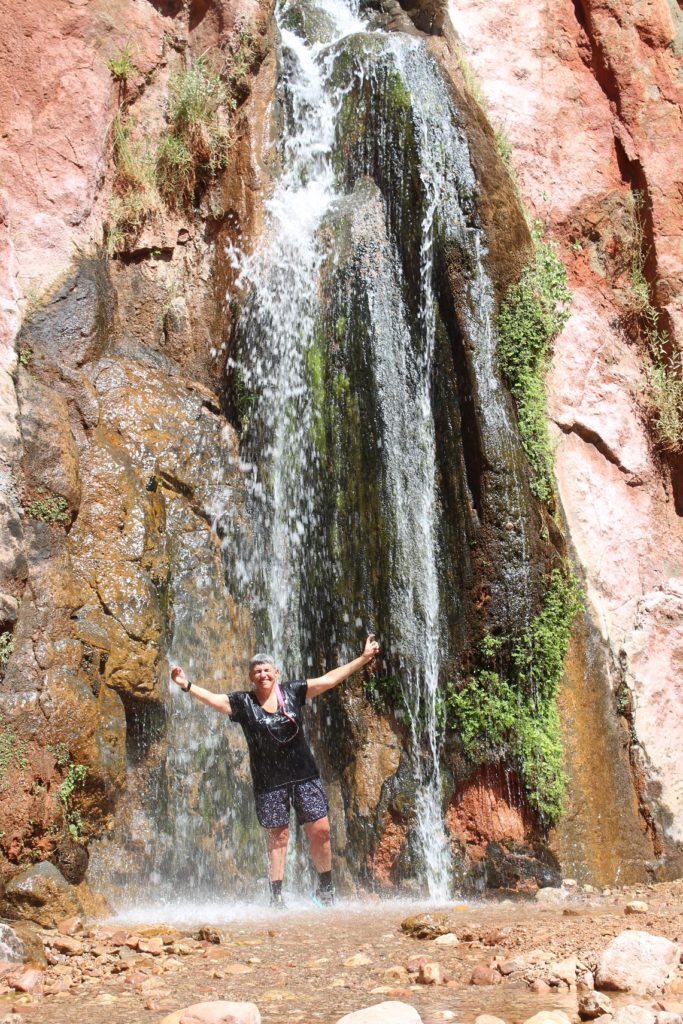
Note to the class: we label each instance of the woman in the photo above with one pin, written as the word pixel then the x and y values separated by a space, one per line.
pixel 283 769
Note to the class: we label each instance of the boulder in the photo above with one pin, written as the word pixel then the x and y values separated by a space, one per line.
pixel 636 962
pixel 40 893
pixel 383 1013
pixel 634 1015
pixel 549 1017
pixel 636 907
pixel 217 1012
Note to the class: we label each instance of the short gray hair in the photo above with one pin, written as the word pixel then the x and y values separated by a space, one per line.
pixel 262 659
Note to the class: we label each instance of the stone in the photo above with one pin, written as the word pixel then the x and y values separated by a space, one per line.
pixel 40 893
pixel 449 939
pixel 551 894
pixel 431 974
pixel 564 970
pixel 28 979
pixel 217 1012
pixel 636 907
pixel 487 1018
pixel 485 975
pixel 426 926
pixel 539 987
pixel 667 1017
pixel 391 1012
pixel 636 962
pixel 70 926
pixel 68 945
pixel 633 1015
pixel 593 1005
pixel 358 960
pixel 549 1017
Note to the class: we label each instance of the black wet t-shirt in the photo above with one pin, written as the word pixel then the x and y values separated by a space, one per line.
pixel 278 752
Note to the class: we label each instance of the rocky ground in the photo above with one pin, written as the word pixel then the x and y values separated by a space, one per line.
pixel 509 959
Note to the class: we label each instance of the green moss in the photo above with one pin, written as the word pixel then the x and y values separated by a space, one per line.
pixel 507 710
pixel 533 313
pixel 50 509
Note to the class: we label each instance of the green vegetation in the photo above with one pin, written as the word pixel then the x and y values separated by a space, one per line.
pixel 384 693
pixel 665 372
pixel 196 145
pixel 6 647
pixel 121 64
pixel 25 357
pixel 241 61
pixel 12 752
pixel 665 380
pixel 508 709
pixel 50 509
pixel 533 313
pixel 75 776
pixel 135 191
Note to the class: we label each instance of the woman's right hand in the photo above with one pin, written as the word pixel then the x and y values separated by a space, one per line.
pixel 178 676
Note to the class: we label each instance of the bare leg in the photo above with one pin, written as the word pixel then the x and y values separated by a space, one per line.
pixel 318 833
pixel 277 851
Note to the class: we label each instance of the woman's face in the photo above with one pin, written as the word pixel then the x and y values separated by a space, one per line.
pixel 263 675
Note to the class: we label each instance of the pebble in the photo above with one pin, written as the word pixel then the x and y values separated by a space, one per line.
pixel 486 1018
pixel 216 1012
pixel 431 974
pixel 449 939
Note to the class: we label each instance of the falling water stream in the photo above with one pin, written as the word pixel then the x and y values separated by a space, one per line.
pixel 334 355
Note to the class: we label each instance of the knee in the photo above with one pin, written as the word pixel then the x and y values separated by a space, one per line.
pixel 277 838
pixel 321 831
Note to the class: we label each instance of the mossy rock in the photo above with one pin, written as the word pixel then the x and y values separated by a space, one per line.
pixel 309 22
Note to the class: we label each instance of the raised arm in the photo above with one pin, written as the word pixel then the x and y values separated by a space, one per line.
pixel 217 701
pixel 338 675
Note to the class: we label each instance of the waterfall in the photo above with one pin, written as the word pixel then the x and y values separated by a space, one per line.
pixel 375 436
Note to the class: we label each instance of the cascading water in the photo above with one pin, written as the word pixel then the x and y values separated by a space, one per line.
pixel 281 339
pixel 376 437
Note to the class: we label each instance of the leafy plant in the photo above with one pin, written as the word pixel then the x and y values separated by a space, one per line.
pixel 533 313
pixel 665 381
pixel 6 647
pixel 50 509
pixel 25 357
pixel 508 709
pixel 75 776
pixel 196 145
pixel 240 62
pixel 121 64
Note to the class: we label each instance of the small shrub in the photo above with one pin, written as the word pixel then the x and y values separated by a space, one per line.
pixel 196 145
pixel 6 647
pixel 665 383
pixel 75 776
pixel 121 64
pixel 25 357
pixel 135 191
pixel 50 509
pixel 241 61
pixel 533 313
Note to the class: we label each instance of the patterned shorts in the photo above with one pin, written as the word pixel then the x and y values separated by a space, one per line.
pixel 309 799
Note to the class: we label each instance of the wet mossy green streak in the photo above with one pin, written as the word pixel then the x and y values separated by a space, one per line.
pixel 533 313
pixel 507 709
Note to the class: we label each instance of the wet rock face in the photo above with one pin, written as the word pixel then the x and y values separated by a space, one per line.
pixel 581 91
pixel 115 450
